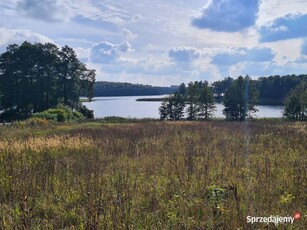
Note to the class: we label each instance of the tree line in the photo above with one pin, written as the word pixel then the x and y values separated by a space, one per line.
pixel 196 101
pixel 104 88
pixel 36 77
pixel 272 90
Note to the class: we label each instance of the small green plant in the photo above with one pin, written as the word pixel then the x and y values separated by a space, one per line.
pixel 59 114
pixel 286 198
pixel 216 194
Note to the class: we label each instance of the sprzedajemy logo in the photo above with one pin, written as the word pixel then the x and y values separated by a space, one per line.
pixel 273 219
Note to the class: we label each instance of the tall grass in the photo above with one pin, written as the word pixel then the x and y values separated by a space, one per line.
pixel 198 175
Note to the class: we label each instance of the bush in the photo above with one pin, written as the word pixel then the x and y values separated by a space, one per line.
pixel 86 112
pixel 59 114
pixel 114 119
pixel 33 121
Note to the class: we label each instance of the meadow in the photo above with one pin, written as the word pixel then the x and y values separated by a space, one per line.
pixel 152 175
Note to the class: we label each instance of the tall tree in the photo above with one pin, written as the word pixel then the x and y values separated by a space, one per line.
pixel 240 99
pixel 197 97
pixel 220 87
pixel 192 99
pixel 35 77
pixel 70 72
pixel 173 108
pixel 296 103
pixel 206 105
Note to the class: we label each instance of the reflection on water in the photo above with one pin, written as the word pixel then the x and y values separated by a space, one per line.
pixel 130 108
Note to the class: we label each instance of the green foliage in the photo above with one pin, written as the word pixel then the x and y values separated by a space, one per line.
pixel 173 108
pixel 87 113
pixel 240 99
pixel 205 103
pixel 286 199
pixel 59 114
pixel 272 90
pixel 197 97
pixel 36 77
pixel 193 92
pixel 296 103
pixel 103 88
pixel 220 87
pixel 114 119
pixel 32 122
pixel 216 194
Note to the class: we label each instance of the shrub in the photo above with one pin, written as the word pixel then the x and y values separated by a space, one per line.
pixel 86 112
pixel 60 114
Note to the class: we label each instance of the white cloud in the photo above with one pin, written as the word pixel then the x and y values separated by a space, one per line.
pixel 167 49
pixel 184 54
pixel 82 54
pixel 237 55
pixel 105 11
pixel 304 48
pixel 283 28
pixel 124 47
pixel 47 10
pixel 270 10
pixel 136 18
pixel 8 37
pixel 107 52
pixel 128 34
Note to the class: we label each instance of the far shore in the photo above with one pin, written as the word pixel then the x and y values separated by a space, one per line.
pixel 263 101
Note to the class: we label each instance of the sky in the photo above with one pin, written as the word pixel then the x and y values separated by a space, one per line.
pixel 167 42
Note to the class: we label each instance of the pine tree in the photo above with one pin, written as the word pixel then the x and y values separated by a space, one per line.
pixel 296 103
pixel 206 105
pixel 240 99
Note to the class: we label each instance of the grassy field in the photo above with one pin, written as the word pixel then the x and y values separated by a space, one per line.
pixel 152 175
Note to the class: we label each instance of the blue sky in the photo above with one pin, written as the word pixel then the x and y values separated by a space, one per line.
pixel 165 42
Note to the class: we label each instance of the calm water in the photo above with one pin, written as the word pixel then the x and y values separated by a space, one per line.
pixel 129 107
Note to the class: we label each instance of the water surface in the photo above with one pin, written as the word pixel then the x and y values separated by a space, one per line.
pixel 128 107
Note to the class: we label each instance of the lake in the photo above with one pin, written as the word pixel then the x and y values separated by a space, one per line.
pixel 130 108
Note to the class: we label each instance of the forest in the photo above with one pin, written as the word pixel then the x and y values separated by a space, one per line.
pixel 104 88
pixel 272 90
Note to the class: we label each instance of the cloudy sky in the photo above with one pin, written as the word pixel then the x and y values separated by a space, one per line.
pixel 164 42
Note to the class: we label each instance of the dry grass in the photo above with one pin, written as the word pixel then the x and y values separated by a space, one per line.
pixel 185 175
pixel 41 144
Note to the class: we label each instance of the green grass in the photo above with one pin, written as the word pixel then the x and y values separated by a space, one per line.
pixel 152 175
